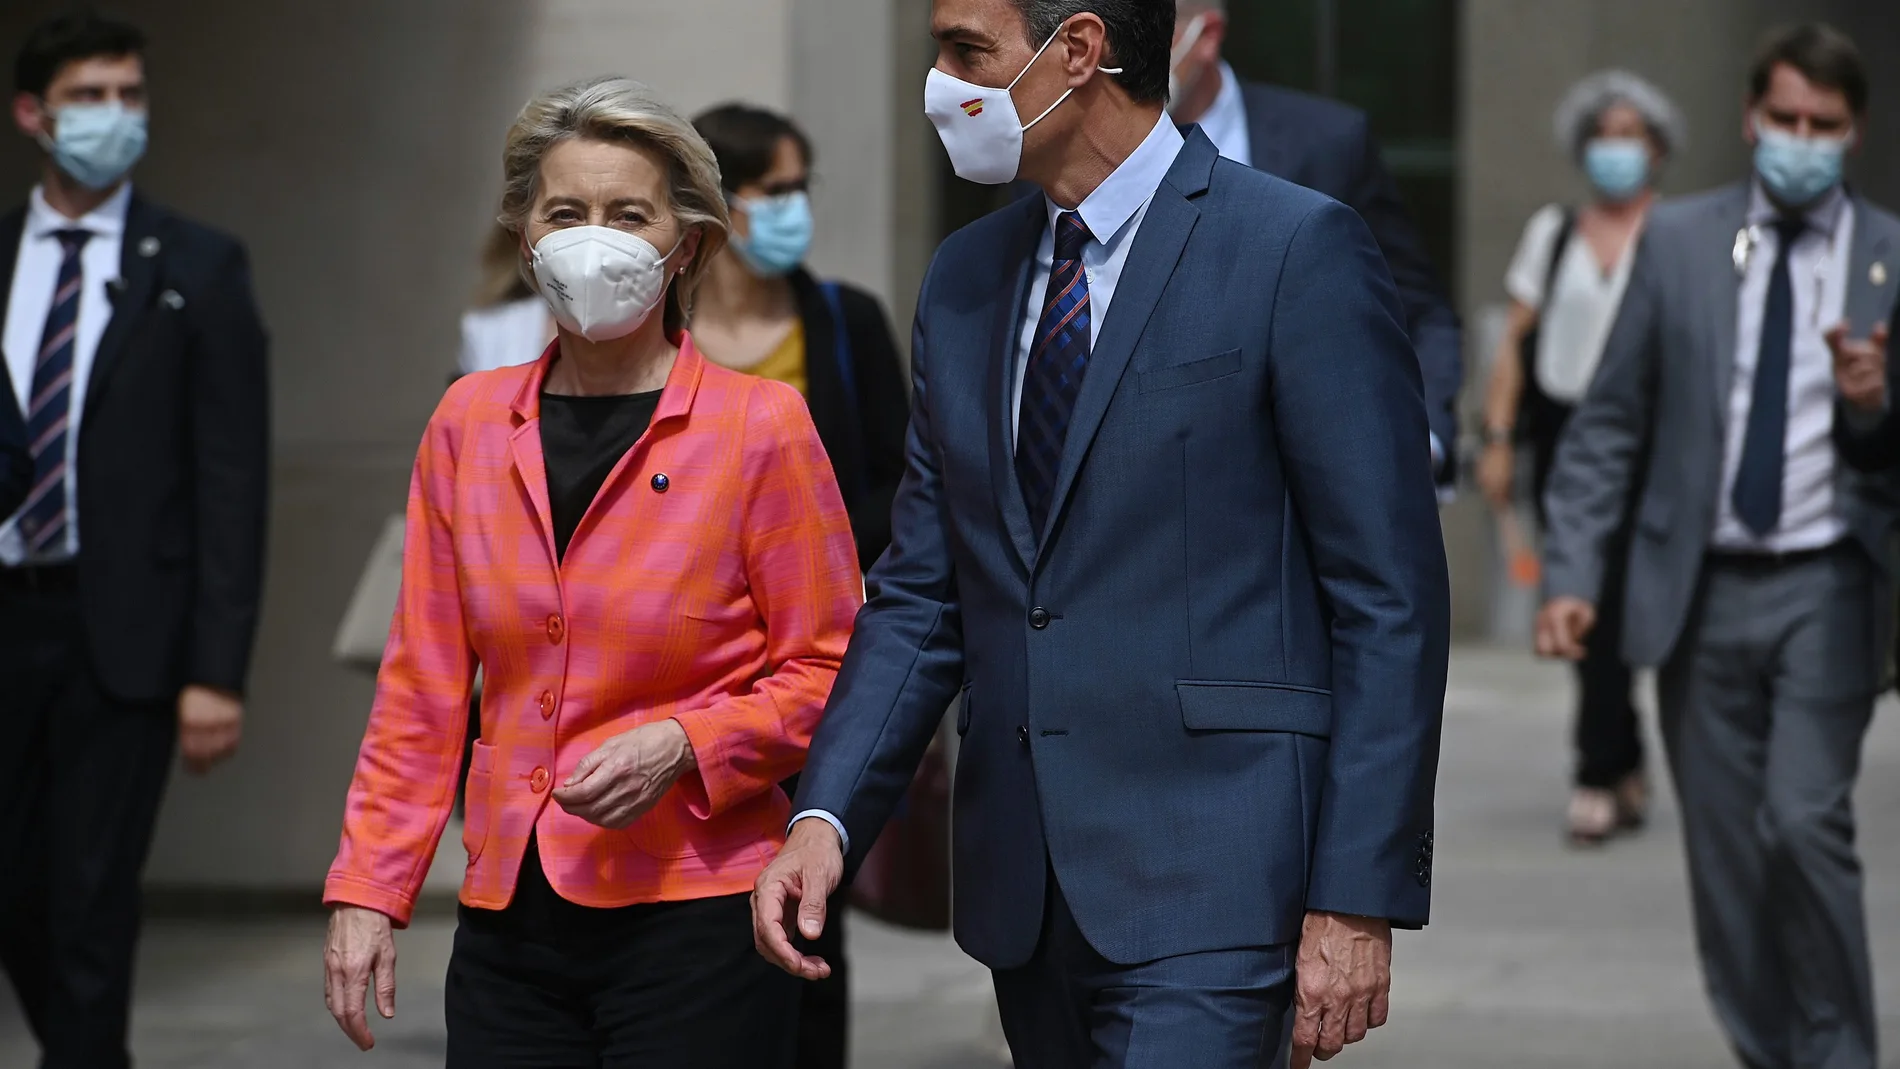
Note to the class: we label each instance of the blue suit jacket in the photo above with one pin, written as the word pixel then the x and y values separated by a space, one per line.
pixel 16 464
pixel 1208 694
pixel 1326 145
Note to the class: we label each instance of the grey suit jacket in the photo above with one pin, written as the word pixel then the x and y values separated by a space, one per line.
pixel 1656 414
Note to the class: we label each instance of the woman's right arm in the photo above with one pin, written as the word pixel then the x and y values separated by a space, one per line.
pixel 404 788
pixel 1497 465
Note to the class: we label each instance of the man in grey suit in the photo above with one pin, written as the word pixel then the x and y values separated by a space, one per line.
pixel 1760 574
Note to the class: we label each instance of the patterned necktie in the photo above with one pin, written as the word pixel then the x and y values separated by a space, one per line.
pixel 1053 377
pixel 49 409
pixel 1757 493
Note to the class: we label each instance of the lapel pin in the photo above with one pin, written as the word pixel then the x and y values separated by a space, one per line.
pixel 1744 248
pixel 1877 274
pixel 148 247
pixel 661 483
pixel 172 300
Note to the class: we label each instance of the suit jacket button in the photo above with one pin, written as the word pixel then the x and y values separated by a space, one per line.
pixel 538 781
pixel 1022 735
pixel 1039 618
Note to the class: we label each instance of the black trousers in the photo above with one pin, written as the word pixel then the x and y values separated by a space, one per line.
pixel 547 984
pixel 81 776
pixel 1609 738
pixel 824 1007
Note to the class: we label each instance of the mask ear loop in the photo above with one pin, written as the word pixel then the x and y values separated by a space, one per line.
pixel 1065 95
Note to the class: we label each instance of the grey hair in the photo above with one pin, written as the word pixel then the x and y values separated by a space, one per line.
pixel 1583 107
pixel 621 109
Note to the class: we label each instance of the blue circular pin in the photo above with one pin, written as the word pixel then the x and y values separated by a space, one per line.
pixel 661 483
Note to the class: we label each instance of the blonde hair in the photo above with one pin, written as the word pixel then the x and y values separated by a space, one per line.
pixel 623 110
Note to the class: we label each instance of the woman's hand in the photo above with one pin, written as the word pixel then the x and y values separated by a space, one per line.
pixel 627 775
pixel 361 946
pixel 1497 473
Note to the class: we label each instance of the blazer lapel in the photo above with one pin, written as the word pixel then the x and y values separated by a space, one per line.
pixel 1159 241
pixel 139 256
pixel 525 444
pixel 12 228
pixel 1724 297
pixel 1004 336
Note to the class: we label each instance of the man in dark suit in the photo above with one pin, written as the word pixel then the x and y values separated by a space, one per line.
pixel 1168 522
pixel 16 462
pixel 129 576
pixel 1328 146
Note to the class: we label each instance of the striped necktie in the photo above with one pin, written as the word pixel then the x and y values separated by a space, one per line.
pixel 49 409
pixel 1053 376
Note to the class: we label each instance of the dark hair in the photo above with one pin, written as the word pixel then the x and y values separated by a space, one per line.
pixel 1824 55
pixel 744 139
pixel 1140 38
pixel 69 38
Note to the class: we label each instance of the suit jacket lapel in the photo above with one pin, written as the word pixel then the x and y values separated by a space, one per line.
pixel 1004 332
pixel 139 258
pixel 1872 273
pixel 1724 297
pixel 1159 241
pixel 525 445
pixel 12 228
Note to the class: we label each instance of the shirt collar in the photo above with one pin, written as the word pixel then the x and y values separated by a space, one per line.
pixel 107 220
pixel 1822 217
pixel 1229 109
pixel 1107 210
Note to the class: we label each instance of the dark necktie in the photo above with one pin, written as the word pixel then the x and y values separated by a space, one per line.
pixel 1058 359
pixel 49 407
pixel 1757 494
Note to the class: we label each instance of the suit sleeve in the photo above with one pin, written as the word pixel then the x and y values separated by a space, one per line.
pixel 1872 442
pixel 1589 487
pixel 883 415
pixel 1429 318
pixel 16 462
pixel 906 657
pixel 231 451
pixel 803 574
pixel 1348 409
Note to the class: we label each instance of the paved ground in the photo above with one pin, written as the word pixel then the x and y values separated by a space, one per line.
pixel 1540 958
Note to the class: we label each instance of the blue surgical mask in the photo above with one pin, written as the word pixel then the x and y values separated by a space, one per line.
pixel 778 233
pixel 1617 166
pixel 1797 170
pixel 96 144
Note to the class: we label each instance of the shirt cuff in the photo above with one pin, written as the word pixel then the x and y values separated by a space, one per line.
pixel 1438 453
pixel 844 837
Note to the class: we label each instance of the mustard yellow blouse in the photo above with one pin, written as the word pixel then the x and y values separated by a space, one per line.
pixel 786 363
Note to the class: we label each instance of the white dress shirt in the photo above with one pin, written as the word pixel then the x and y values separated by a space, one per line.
pixel 1574 319
pixel 506 334
pixel 1818 268
pixel 35 276
pixel 1113 213
pixel 1225 123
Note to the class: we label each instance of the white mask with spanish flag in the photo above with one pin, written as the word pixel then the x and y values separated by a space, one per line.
pixel 979 125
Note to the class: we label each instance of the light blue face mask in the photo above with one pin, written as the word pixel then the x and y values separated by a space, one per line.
pixel 1617 166
pixel 1798 170
pixel 778 233
pixel 96 144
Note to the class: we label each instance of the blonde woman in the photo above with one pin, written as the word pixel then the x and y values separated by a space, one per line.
pixel 649 559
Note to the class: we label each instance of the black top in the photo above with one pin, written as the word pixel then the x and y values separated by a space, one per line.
pixel 582 438
pixel 865 441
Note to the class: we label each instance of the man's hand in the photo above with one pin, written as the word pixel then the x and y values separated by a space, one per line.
pixel 210 723
pixel 1344 984
pixel 360 947
pixel 1860 367
pixel 617 783
pixel 1563 625
pixel 807 871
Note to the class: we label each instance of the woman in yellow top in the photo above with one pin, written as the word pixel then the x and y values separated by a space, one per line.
pixel 761 312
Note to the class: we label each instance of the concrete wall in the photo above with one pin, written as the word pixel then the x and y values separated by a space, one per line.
pixel 1520 57
pixel 355 146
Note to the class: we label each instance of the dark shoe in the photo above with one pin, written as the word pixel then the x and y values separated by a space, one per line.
pixel 1632 801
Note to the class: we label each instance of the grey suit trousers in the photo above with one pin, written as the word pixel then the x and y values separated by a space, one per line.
pixel 1764 704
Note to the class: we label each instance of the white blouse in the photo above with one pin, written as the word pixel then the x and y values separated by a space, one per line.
pixel 504 335
pixel 1574 320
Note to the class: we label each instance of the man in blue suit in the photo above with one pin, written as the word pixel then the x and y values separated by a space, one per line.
pixel 1168 522
pixel 1328 146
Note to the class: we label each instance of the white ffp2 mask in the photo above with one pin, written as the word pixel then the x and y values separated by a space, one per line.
pixel 979 125
pixel 599 282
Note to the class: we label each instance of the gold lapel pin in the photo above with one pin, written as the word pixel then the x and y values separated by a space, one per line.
pixel 148 248
pixel 1877 274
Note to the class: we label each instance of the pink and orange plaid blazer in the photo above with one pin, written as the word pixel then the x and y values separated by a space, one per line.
pixel 712 581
